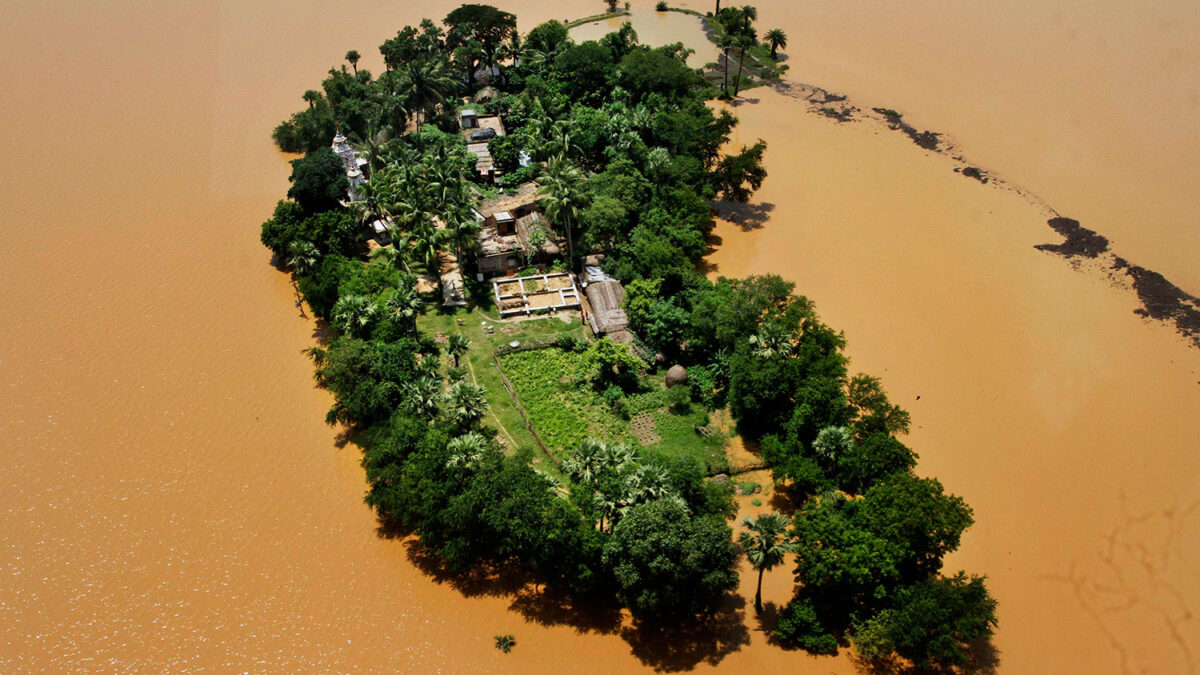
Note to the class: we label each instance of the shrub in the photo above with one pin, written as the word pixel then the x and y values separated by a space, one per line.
pixel 680 400
pixel 800 625
pixel 505 643
pixel 613 394
pixel 660 7
pixel 570 343
pixel 703 386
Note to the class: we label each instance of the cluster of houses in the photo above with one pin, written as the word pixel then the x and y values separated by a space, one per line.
pixel 513 236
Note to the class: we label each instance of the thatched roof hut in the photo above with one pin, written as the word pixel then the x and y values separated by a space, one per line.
pixel 607 299
pixel 486 94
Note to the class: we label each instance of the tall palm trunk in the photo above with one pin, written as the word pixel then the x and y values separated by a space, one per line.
pixel 758 594
pixel 737 84
pixel 570 247
pixel 725 84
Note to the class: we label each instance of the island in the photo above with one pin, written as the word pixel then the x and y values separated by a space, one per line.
pixel 505 233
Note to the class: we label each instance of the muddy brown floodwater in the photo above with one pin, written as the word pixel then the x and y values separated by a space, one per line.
pixel 170 498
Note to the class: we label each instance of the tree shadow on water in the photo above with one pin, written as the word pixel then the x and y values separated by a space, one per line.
pixel 478 581
pixel 681 648
pixel 533 601
pixel 323 333
pixel 549 607
pixel 746 216
pixel 768 621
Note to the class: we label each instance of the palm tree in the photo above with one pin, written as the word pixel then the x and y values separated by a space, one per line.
pixel 771 340
pixel 461 231
pixel 586 462
pixel 423 395
pixel 353 56
pixel 465 403
pixel 424 242
pixel 777 39
pixel 750 13
pixel 742 42
pixel 466 450
pixel 352 314
pixel 302 256
pixel 725 43
pixel 312 96
pixel 563 198
pixel 425 85
pixel 831 443
pixel 559 141
pixel 765 544
pixel 404 306
pixel 457 346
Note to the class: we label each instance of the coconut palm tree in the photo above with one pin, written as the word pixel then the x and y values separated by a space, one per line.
pixel 423 395
pixel 461 231
pixel 424 242
pixel 465 403
pixel 311 97
pixel 777 39
pixel 559 141
pixel 353 314
pixel 457 346
pixel 742 42
pixel 302 256
pixel 425 85
pixel 563 198
pixel 726 42
pixel 765 543
pixel 353 56
pixel 751 14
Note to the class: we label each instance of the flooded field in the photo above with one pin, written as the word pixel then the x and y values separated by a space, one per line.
pixel 172 500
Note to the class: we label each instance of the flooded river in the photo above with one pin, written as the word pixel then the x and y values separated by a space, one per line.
pixel 172 500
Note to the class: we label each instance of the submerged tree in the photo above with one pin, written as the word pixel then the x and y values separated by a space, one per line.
pixel 765 543
pixel 777 39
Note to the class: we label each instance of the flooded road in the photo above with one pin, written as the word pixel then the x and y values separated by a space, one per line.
pixel 172 500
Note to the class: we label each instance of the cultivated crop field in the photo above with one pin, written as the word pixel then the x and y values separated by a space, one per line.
pixel 566 413
pixel 563 412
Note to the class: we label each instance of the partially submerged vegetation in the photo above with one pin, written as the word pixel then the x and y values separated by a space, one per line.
pixel 615 504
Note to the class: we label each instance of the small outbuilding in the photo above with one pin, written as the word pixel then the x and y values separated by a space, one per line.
pixel 607 316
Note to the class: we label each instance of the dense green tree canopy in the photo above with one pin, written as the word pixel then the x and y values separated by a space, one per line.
pixel 318 181
pixel 669 566
pixel 931 624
